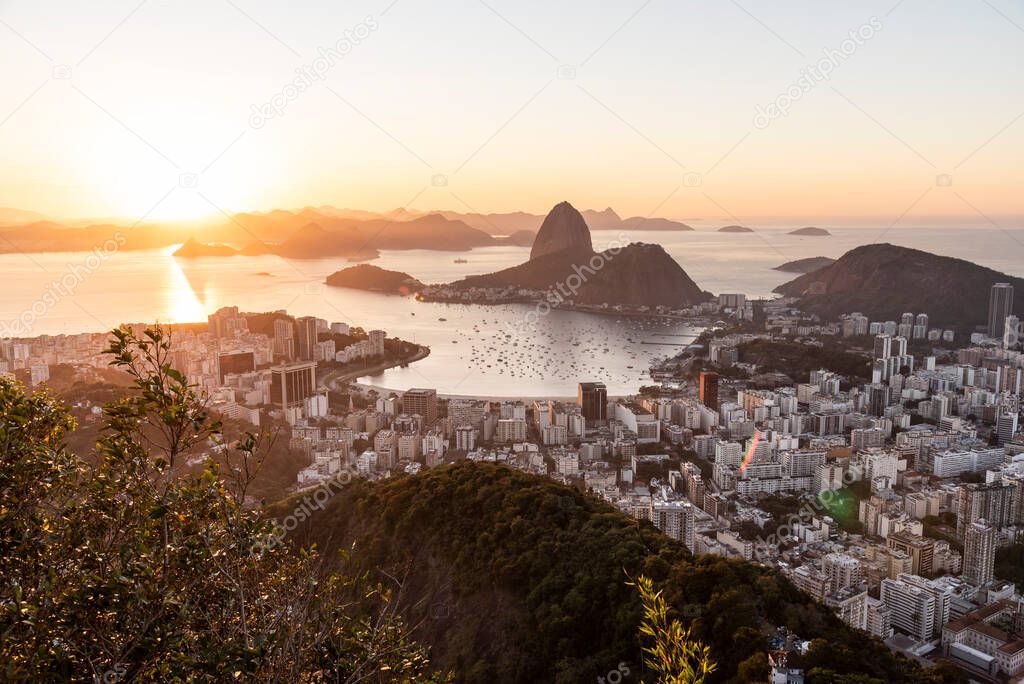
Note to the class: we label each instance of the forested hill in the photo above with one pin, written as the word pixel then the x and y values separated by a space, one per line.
pixel 512 577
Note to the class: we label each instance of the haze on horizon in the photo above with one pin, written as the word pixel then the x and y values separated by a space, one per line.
pixel 157 109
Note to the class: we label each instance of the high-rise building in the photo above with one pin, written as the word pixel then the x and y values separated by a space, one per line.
pixel 291 384
pixel 841 571
pixel 709 389
pixel 1012 332
pixel 911 608
pixel 284 338
pixel 676 519
pixel 421 402
pixel 226 321
pixel 992 502
pixel 883 346
pixel 1006 426
pixel 465 437
pixel 1000 305
pixel 377 342
pixel 593 401
pixel 305 337
pixel 979 553
pixel 235 362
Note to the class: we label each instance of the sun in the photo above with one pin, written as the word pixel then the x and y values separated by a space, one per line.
pixel 131 182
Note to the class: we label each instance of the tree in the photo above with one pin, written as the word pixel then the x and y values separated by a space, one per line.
pixel 675 655
pixel 125 568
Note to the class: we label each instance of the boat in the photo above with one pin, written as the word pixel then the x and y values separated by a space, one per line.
pixel 461 261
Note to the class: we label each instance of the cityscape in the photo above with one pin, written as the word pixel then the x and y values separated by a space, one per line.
pixel 475 342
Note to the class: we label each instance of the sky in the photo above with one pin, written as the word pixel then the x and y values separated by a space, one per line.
pixel 737 111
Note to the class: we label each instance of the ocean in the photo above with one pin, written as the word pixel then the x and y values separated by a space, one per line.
pixel 486 351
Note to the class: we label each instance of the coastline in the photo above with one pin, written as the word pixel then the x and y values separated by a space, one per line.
pixel 332 378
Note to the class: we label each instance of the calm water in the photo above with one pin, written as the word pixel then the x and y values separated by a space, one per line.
pixel 495 351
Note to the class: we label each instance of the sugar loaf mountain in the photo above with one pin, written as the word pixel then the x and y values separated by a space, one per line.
pixel 882 281
pixel 563 254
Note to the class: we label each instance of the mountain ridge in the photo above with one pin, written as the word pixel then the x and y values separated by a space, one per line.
pixel 883 281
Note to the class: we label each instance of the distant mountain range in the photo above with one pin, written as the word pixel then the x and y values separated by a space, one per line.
pixel 563 258
pixel 351 232
pixel 883 281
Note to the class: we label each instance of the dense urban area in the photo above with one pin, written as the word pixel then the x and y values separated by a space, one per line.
pixel 876 464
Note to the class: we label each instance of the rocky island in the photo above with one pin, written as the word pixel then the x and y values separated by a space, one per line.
pixel 809 231
pixel 194 249
pixel 735 229
pixel 808 265
pixel 374 279
pixel 565 270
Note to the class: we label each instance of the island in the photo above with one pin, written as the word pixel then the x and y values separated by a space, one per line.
pixel 808 265
pixel 810 231
pixel 565 271
pixel 374 279
pixel 735 229
pixel 193 249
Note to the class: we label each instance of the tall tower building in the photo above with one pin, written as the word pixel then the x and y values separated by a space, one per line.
pixel 979 553
pixel 883 346
pixel 305 337
pixel 1000 305
pixel 593 401
pixel 1011 332
pixel 709 389
pixel 376 338
pixel 284 338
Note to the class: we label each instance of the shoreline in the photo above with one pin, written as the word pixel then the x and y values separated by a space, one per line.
pixel 512 397
pixel 333 377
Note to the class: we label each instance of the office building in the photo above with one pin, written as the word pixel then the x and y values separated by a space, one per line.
pixel 235 362
pixel 305 337
pixel 709 389
pixel 422 402
pixel 593 401
pixel 291 384
pixel 1000 306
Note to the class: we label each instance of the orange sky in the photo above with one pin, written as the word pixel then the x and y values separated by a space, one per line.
pixel 153 110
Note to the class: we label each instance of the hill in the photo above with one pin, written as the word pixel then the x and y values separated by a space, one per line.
pixel 312 241
pixel 192 249
pixel 883 281
pixel 563 257
pixel 512 577
pixel 735 229
pixel 808 265
pixel 809 230
pixel 374 279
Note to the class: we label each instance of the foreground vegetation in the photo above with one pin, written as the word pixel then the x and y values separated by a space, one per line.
pixel 120 571
pixel 510 577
